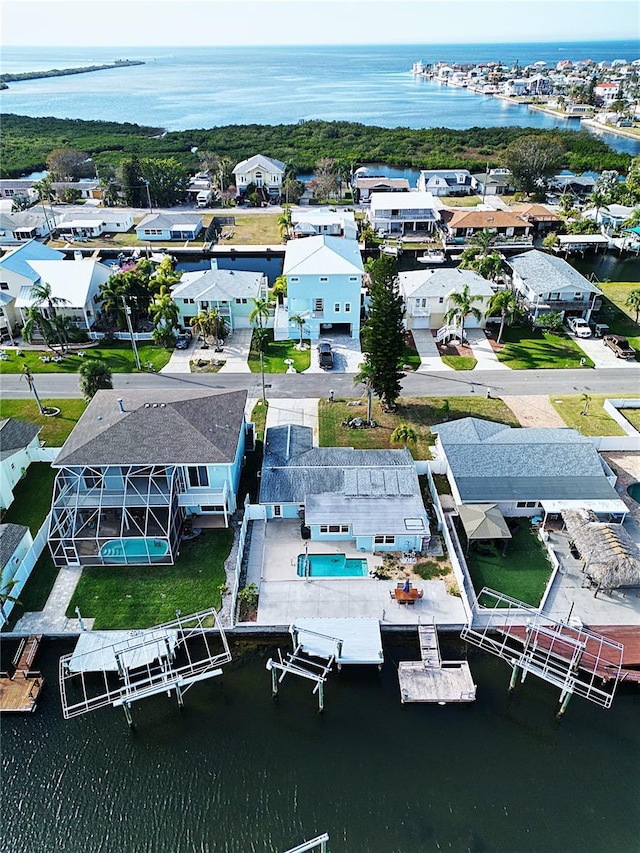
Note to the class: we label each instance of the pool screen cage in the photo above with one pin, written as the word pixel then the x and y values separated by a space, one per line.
pixel 120 667
pixel 572 658
pixel 94 507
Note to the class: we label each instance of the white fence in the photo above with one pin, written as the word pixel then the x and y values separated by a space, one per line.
pixel 44 454
pixel 26 567
pixel 242 539
pixel 122 336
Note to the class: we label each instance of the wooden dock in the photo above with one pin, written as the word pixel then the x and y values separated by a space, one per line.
pixel 19 692
pixel 431 679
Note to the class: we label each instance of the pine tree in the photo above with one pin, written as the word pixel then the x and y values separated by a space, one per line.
pixel 384 330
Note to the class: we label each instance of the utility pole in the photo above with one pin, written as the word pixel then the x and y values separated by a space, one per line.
pixel 127 314
pixel 146 185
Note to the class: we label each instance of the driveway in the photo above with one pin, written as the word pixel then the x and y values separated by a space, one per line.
pixel 302 411
pixel 483 351
pixel 428 351
pixel 236 352
pixel 347 355
pixel 601 355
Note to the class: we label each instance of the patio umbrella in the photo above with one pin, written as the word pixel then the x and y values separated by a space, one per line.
pixel 483 521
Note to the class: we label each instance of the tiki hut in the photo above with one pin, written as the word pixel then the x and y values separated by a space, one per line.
pixel 612 558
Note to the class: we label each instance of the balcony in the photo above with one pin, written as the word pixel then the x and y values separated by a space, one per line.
pixel 502 241
pixel 545 304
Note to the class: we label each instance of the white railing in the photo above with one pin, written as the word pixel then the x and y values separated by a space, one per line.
pixel 122 336
pixel 25 568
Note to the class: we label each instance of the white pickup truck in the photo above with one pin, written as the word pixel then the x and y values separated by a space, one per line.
pixel 579 327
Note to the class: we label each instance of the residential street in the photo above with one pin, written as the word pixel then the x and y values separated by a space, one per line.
pixel 614 381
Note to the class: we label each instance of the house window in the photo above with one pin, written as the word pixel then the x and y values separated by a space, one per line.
pixel 527 504
pixel 212 508
pixel 198 476
pixel 318 306
pixel 353 278
pixel 555 296
pixel 277 511
pixel 347 307
pixel 336 307
pixel 578 297
pixel 441 300
pixel 238 301
pixel 324 278
pixel 334 528
pixel 294 278
pixel 384 540
pixel 4 285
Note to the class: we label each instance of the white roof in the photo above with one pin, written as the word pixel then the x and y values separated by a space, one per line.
pixel 361 639
pixel 615 507
pixel 96 651
pixel 404 201
pixel 582 238
pixel 323 256
pixel 442 282
pixel 259 161
pixel 69 280
pixel 105 215
pixel 80 223
pixel 323 217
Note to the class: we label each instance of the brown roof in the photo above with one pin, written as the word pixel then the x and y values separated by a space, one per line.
pixel 486 219
pixel 538 212
pixel 372 183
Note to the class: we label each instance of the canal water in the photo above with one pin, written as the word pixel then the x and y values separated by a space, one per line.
pixel 235 771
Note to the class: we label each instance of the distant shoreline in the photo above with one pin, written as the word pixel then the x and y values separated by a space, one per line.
pixel 64 72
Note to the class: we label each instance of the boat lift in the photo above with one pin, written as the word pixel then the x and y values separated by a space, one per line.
pixel 299 662
pixel 120 667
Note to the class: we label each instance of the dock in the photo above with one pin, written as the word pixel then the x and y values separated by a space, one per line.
pixel 19 692
pixel 432 680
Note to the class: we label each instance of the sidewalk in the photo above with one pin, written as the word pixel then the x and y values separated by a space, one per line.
pixel 52 619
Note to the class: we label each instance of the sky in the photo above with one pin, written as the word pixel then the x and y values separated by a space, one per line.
pixel 278 22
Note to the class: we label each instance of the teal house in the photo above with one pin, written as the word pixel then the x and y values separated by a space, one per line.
pixel 230 292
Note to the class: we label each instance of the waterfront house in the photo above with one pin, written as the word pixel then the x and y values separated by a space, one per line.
pixel 365 185
pixel 606 92
pixel 493 182
pixel 404 214
pixel 18 188
pixel 75 283
pixel 169 226
pixel 544 283
pixel 333 223
pixel 137 464
pixel 95 222
pixel 578 186
pixel 427 295
pixel 16 274
pixel 15 541
pixel 20 226
pixel 230 292
pixel 525 471
pixel 85 189
pixel 541 218
pixel 368 498
pixel 510 230
pixel 265 173
pixel 18 443
pixel 324 284
pixel 445 182
pixel 610 217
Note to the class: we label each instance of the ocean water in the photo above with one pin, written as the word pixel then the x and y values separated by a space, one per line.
pixel 181 88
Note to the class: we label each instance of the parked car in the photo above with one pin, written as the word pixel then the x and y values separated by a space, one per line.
pixel 599 329
pixel 579 327
pixel 185 333
pixel 325 355
pixel 619 345
pixel 182 342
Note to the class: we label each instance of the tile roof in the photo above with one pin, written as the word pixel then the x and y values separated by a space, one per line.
pixel 322 255
pixel 486 219
pixel 15 435
pixel 11 535
pixel 544 273
pixel 157 428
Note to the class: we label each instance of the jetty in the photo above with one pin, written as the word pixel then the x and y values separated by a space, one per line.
pixel 432 680
pixel 65 72
pixel 19 692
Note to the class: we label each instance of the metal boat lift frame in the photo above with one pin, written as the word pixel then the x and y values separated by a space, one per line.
pixel 299 663
pixel 572 658
pixel 144 663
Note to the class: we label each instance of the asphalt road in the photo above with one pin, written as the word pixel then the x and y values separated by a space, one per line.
pixel 615 382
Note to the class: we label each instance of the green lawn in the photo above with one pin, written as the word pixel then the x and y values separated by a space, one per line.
pixel 420 412
pixel 32 497
pixel 460 362
pixel 118 355
pixel 120 597
pixel 621 320
pixel 633 416
pixel 527 349
pixel 55 430
pixel 38 588
pixel 411 358
pixel 259 417
pixel 275 354
pixel 522 574
pixel 252 228
pixel 595 422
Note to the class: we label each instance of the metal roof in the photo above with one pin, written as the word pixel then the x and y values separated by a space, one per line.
pixel 442 282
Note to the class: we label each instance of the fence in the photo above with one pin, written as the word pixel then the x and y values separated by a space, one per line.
pixel 242 539
pixel 122 336
pixel 25 568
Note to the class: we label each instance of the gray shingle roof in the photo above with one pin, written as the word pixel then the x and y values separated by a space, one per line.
pixel 15 435
pixel 157 428
pixel 218 285
pixel 545 273
pixel 11 536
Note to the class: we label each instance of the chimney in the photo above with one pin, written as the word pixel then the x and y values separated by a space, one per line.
pixel 120 404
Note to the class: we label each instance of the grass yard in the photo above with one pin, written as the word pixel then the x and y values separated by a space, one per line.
pixel 460 362
pixel 419 412
pixel 595 422
pixel 410 357
pixel 118 356
pixel 38 588
pixel 259 229
pixel 275 354
pixel 259 418
pixel 120 597
pixel 533 349
pixel 620 319
pixel 522 574
pixel 32 497
pixel 55 430
pixel 633 416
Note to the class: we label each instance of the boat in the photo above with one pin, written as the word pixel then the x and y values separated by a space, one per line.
pixel 432 256
pixel 393 249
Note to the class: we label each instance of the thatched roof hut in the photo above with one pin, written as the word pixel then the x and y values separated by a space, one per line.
pixel 612 558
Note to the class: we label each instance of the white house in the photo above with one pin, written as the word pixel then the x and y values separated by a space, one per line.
pixel 427 295
pixel 324 283
pixel 22 225
pixel 266 173
pixel 16 273
pixel 231 292
pixel 364 185
pixel 170 226
pixel 546 283
pixel 607 92
pixel 612 216
pixel 445 181
pixel 86 188
pixel 18 440
pixel 404 213
pixel 95 222
pixel 18 188
pixel 493 182
pixel 15 541
pixel 333 223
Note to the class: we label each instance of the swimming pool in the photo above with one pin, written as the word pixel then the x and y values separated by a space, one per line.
pixel 634 491
pixel 134 550
pixel 331 566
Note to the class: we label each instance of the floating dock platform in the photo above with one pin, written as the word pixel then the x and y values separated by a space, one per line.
pixel 19 692
pixel 432 680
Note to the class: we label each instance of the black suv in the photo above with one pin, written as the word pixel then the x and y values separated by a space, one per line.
pixel 325 356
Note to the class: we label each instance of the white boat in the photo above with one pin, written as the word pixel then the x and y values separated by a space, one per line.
pixel 394 251
pixel 432 256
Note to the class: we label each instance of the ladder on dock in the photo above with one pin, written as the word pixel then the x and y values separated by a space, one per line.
pixel 19 692
pixel 429 646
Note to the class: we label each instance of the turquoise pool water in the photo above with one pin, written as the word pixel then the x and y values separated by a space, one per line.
pixel 331 566
pixel 138 550
pixel 634 491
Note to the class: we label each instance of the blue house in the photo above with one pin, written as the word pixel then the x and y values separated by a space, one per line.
pixel 137 465
pixel 324 283
pixel 169 226
pixel 368 497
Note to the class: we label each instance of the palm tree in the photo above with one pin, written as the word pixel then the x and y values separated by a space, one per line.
pixel 504 302
pixel 284 222
pixel 26 372
pixel 94 376
pixel 599 200
pixel 163 310
pixel 112 293
pixel 404 433
pixel 483 240
pixel 365 377
pixel 42 312
pixel 462 308
pixel 259 312
pixel 633 301
pixel 300 322
pixel 210 325
pixel 585 399
pixel 479 257
pixel 279 289
pixel 36 322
